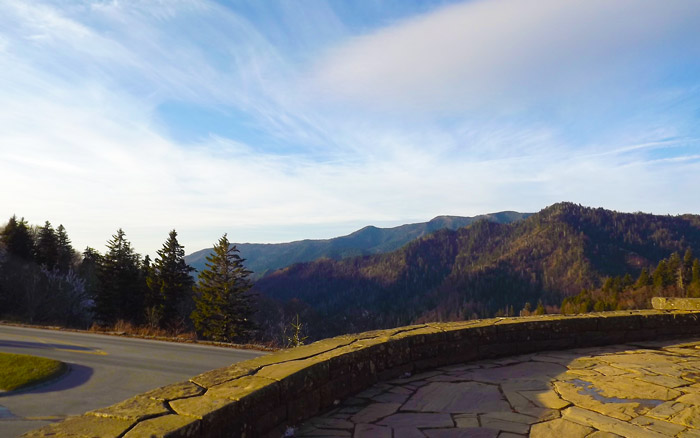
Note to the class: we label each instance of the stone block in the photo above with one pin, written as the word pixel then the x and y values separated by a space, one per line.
pixel 395 372
pixel 298 376
pixel 267 418
pixel 348 360
pixel 84 426
pixel 345 386
pixel 135 408
pixel 495 349
pixel 459 351
pixel 427 350
pixel 303 406
pixel 484 333
pixel 222 375
pixel 388 353
pixel 218 414
pixel 166 426
pixel 664 303
pixel 426 364
pixel 253 394
pixel 175 391
pixel 616 323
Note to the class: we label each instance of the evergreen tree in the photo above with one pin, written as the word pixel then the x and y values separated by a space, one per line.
pixel 688 259
pixel 17 239
pixel 223 306
pixel 694 289
pixel 170 282
pixel 627 281
pixel 120 296
pixel 16 267
pixel 662 277
pixel 66 254
pixel 643 280
pixel 46 249
pixel 675 270
pixel 89 269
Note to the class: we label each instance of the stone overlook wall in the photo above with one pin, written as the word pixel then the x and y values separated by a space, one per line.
pixel 262 396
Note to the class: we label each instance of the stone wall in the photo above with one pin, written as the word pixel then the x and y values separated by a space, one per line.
pixel 262 396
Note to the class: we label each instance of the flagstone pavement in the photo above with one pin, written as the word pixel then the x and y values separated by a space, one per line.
pixel 645 389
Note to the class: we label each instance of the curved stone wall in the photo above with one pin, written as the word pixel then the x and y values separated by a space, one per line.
pixel 262 396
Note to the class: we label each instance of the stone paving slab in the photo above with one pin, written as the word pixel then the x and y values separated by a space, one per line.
pixel 646 390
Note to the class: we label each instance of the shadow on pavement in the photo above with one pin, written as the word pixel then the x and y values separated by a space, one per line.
pixel 45 346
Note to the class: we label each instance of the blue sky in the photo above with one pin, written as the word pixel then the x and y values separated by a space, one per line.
pixel 281 120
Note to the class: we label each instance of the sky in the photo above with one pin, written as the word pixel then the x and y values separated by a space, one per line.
pixel 280 120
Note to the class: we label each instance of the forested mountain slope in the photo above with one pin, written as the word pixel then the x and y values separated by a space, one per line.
pixel 264 258
pixel 475 271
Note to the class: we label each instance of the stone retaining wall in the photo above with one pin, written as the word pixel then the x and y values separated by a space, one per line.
pixel 262 396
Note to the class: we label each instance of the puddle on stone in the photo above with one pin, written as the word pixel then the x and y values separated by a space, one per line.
pixel 587 388
pixel 5 413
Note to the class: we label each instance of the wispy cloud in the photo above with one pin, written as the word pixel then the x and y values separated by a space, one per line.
pixel 327 121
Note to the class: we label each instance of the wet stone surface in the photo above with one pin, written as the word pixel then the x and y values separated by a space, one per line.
pixel 646 389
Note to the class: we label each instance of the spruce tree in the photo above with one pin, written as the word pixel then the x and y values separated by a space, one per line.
pixel 223 306
pixel 66 253
pixel 643 280
pixel 89 270
pixel 170 283
pixel 46 249
pixel 17 239
pixel 662 277
pixel 120 296
pixel 16 270
pixel 694 289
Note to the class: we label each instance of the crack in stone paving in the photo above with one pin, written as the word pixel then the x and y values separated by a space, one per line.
pixel 626 390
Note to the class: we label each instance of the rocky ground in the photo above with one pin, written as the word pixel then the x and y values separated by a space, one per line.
pixel 647 389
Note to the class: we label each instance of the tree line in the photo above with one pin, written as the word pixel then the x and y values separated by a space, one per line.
pixel 487 270
pixel 44 280
pixel 674 276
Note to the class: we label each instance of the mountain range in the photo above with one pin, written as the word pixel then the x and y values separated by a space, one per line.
pixel 480 270
pixel 262 258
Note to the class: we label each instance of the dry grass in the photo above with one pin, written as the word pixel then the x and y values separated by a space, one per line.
pixel 146 331
pixel 21 370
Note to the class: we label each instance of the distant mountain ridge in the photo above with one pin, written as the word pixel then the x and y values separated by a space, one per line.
pixel 476 271
pixel 263 258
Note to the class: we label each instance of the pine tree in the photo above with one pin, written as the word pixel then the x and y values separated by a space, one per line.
pixel 662 276
pixel 170 282
pixel 688 259
pixel 643 280
pixel 120 296
pixel 694 289
pixel 17 239
pixel 66 254
pixel 223 306
pixel 89 269
pixel 296 339
pixel 46 249
pixel 16 270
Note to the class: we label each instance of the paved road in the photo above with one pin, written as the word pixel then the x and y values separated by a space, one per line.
pixel 104 370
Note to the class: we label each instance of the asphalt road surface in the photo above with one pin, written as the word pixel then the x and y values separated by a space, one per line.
pixel 103 370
